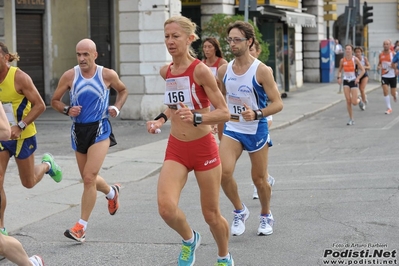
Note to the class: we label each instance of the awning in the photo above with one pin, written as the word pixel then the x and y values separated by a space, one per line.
pixel 292 18
pixel 296 18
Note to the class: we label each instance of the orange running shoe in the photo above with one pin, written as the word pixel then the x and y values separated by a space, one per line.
pixel 388 111
pixel 76 233
pixel 113 204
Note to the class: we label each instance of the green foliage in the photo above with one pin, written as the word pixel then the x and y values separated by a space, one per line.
pixel 217 26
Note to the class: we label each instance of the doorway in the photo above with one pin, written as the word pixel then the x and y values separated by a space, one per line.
pixel 100 30
pixel 101 24
pixel 29 29
pixel 194 13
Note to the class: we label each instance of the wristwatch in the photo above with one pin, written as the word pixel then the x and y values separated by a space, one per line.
pixel 66 109
pixel 22 125
pixel 197 119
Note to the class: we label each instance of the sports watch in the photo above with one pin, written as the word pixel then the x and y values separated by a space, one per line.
pixel 22 125
pixel 66 110
pixel 197 119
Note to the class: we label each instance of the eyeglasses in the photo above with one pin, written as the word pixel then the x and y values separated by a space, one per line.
pixel 235 40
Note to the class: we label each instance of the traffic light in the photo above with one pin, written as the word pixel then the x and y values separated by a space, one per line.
pixel 367 14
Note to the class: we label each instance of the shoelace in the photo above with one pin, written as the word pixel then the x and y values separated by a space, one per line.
pixel 185 252
pixel 265 220
pixel 223 262
pixel 112 202
pixel 237 217
pixel 78 230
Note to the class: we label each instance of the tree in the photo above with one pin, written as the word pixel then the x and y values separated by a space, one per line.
pixel 217 26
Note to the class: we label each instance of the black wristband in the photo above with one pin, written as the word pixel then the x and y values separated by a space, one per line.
pixel 161 115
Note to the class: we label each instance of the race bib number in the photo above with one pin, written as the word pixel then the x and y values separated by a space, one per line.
pixel 349 76
pixel 386 65
pixel 178 90
pixel 9 113
pixel 236 107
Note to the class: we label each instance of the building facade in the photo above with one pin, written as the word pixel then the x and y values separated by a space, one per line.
pixel 385 26
pixel 129 38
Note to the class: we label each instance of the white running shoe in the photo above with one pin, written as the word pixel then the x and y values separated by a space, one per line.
pixel 238 226
pixel 36 260
pixel 271 182
pixel 266 225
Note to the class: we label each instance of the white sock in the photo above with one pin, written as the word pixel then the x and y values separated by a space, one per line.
pixel 227 257
pixel 387 101
pixel 84 223
pixel 191 240
pixel 111 193
pixel 49 166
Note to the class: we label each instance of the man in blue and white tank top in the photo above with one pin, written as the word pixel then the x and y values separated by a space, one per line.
pixel 91 133
pixel 248 85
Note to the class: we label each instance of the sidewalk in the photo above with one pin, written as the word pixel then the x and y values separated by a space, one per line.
pixel 309 100
pixel 134 164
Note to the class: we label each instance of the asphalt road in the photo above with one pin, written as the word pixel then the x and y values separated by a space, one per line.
pixel 336 193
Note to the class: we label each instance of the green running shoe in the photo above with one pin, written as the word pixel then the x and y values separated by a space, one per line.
pixel 3 231
pixel 55 171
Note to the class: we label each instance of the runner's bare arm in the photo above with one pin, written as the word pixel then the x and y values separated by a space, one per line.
pixel 24 85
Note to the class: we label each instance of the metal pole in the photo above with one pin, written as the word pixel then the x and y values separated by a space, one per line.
pixel 246 10
pixel 328 30
pixel 349 9
pixel 347 25
pixel 366 41
pixel 356 6
pixel 354 31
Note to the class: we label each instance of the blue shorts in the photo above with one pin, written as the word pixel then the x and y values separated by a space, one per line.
pixel 85 135
pixel 19 148
pixel 251 142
